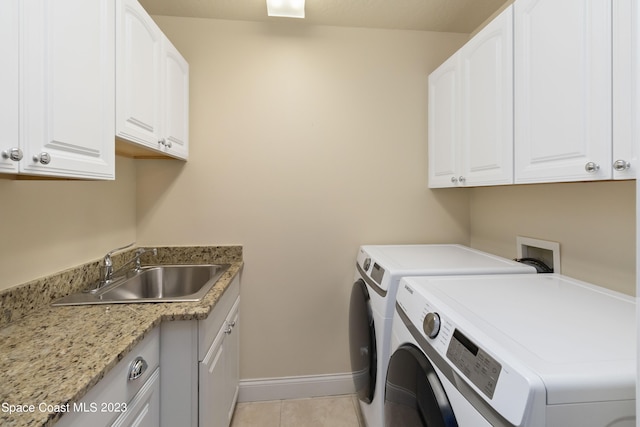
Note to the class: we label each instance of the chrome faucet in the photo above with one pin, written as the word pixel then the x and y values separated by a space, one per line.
pixel 107 272
pixel 107 265
pixel 136 258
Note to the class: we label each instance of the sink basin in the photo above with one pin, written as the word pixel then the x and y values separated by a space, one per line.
pixel 163 283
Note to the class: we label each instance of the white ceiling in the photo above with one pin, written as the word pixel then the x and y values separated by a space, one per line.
pixel 462 16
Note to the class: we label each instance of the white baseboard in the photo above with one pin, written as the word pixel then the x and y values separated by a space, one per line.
pixel 262 389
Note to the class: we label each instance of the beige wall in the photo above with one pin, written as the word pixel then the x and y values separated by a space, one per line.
pixel 49 226
pixel 306 142
pixel 593 222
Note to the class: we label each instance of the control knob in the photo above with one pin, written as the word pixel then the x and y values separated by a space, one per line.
pixel 366 264
pixel 431 325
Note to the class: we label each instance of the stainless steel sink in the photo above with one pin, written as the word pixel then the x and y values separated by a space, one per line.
pixel 162 283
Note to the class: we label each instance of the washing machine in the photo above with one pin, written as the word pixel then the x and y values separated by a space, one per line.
pixel 514 350
pixel 379 269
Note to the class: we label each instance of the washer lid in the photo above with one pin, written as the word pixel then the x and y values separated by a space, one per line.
pixel 436 260
pixel 578 338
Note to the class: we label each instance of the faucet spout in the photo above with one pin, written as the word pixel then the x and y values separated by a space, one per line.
pixel 107 265
pixel 108 274
pixel 139 253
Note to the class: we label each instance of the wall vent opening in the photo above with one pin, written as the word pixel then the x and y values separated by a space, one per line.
pixel 542 250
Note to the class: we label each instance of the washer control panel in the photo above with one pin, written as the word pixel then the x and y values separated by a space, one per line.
pixel 478 366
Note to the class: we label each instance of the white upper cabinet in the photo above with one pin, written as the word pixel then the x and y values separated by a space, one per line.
pixel 444 131
pixel 152 84
pixel 138 74
pixel 9 80
pixel 176 101
pixel 626 95
pixel 65 102
pixel 487 104
pixel 563 90
pixel 471 111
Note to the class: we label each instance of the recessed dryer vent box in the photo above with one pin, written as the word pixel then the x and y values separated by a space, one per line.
pixel 545 251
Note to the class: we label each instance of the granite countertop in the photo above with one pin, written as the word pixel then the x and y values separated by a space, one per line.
pixel 54 355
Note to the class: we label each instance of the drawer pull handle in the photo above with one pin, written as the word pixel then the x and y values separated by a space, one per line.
pixel 137 368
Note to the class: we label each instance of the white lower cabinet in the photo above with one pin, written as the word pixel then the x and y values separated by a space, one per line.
pixel 200 360
pixel 129 395
pixel 218 375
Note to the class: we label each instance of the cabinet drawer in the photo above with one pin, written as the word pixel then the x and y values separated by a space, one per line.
pixel 110 397
pixel 144 409
pixel 209 327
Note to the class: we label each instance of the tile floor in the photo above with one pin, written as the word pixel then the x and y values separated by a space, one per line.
pixel 330 411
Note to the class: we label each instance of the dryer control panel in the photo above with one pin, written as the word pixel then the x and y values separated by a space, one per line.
pixel 478 366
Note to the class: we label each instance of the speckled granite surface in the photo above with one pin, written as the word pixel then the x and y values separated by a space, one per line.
pixel 54 355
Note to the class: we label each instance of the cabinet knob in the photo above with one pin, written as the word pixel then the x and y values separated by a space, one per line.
pixel 14 154
pixel 454 179
pixel 621 165
pixel 164 142
pixel 229 328
pixel 592 167
pixel 42 158
pixel 462 179
pixel 137 368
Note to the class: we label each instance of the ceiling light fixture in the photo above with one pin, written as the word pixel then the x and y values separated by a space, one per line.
pixel 286 8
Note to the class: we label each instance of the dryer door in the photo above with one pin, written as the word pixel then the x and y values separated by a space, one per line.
pixel 414 396
pixel 362 342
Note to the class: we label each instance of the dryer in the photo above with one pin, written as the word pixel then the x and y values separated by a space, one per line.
pixel 525 350
pixel 379 269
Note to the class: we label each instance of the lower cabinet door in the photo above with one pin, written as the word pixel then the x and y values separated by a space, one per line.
pixel 144 408
pixel 213 411
pixel 232 359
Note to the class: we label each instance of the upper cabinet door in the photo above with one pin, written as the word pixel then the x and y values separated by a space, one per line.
pixel 471 111
pixel 9 86
pixel 152 87
pixel 176 102
pixel 444 132
pixel 139 75
pixel 562 87
pixel 626 95
pixel 67 88
pixel 486 104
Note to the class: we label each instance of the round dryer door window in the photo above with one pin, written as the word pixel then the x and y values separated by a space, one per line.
pixel 362 342
pixel 414 396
